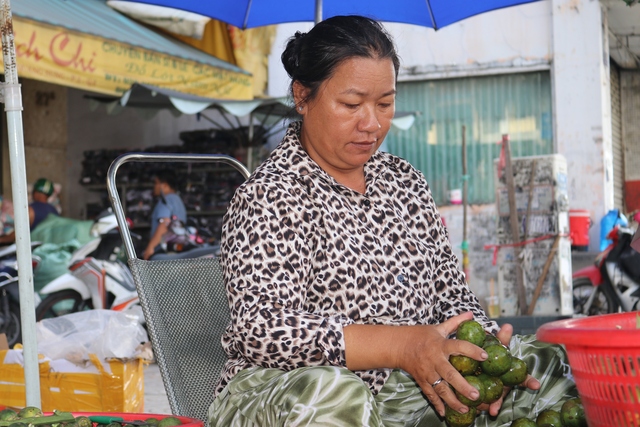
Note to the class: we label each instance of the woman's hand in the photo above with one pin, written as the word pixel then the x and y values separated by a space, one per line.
pixel 504 335
pixel 424 353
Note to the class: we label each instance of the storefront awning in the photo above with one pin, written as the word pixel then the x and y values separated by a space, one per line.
pixel 154 99
pixel 87 45
pixel 149 100
pixel 256 120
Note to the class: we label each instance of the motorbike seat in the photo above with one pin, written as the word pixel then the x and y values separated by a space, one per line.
pixel 193 253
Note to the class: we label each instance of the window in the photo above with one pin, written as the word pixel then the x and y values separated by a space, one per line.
pixel 516 104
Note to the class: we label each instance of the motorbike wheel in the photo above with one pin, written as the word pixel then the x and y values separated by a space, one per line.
pixel 60 303
pixel 582 290
pixel 11 325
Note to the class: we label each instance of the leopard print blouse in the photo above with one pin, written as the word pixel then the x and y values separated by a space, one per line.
pixel 304 256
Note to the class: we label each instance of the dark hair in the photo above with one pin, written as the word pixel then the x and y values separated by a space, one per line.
pixel 167 176
pixel 311 58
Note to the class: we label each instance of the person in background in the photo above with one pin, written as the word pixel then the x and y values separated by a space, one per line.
pixel 6 216
pixel 39 208
pixel 169 205
pixel 342 284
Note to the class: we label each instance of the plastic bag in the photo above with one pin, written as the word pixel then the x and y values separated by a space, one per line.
pixel 59 229
pixel 54 261
pixel 177 232
pixel 180 237
pixel 105 333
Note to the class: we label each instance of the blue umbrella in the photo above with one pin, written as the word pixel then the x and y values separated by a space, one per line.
pixel 255 13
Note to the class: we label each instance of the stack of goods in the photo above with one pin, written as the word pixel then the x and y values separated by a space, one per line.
pixel 205 188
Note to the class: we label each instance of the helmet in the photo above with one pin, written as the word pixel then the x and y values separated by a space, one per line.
pixel 43 185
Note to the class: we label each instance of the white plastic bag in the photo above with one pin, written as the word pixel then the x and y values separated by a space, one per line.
pixel 105 333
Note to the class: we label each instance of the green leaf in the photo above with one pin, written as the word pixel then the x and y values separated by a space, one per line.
pixel 637 321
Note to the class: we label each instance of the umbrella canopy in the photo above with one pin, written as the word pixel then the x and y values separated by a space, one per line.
pixel 255 13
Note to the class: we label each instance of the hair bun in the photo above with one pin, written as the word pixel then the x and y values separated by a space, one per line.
pixel 299 40
pixel 291 55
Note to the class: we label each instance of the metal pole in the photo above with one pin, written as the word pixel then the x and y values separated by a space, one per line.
pixel 12 99
pixel 465 244
pixel 318 11
pixel 250 147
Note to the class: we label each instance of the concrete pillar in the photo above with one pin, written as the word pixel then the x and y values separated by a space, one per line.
pixel 45 136
pixel 582 102
pixel 630 94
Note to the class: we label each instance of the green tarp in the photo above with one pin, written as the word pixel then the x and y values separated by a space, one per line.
pixel 60 237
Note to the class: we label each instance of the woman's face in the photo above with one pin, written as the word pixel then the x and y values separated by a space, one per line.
pixel 350 116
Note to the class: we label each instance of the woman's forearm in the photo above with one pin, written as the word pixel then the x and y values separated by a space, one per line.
pixel 373 346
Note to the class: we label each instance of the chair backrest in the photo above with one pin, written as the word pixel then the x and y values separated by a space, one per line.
pixel 184 304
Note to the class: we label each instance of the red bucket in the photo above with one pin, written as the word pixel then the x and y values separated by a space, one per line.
pixel 604 355
pixel 579 223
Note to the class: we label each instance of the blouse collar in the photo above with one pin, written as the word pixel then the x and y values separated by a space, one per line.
pixel 299 164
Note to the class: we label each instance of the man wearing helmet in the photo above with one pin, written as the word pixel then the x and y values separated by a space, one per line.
pixel 39 209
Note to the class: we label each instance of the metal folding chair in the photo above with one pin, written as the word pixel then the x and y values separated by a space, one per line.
pixel 184 304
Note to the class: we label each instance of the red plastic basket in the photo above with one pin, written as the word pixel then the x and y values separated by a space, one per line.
pixel 132 416
pixel 186 421
pixel 604 354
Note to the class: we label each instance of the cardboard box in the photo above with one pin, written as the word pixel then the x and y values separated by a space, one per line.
pixel 4 344
pixel 107 386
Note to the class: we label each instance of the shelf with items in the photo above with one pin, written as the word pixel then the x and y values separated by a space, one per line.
pixel 205 189
pixel 205 195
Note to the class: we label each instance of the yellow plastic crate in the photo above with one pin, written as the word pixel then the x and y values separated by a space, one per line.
pixel 121 390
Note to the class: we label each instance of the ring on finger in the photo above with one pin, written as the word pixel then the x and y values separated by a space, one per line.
pixel 438 381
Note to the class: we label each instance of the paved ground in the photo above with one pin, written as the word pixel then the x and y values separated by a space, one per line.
pixel 155 397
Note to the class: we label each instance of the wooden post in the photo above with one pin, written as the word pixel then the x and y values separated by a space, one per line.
pixel 515 225
pixel 532 179
pixel 543 276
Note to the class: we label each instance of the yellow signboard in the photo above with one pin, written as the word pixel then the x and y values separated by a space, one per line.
pixel 83 61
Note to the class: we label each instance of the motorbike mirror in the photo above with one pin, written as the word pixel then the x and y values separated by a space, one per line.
pixel 35 262
pixel 613 234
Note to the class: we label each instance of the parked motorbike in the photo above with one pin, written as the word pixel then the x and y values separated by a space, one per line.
pixel 10 320
pixel 612 283
pixel 98 278
pixel 185 240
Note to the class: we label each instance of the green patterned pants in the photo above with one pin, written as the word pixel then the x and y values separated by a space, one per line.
pixel 332 396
